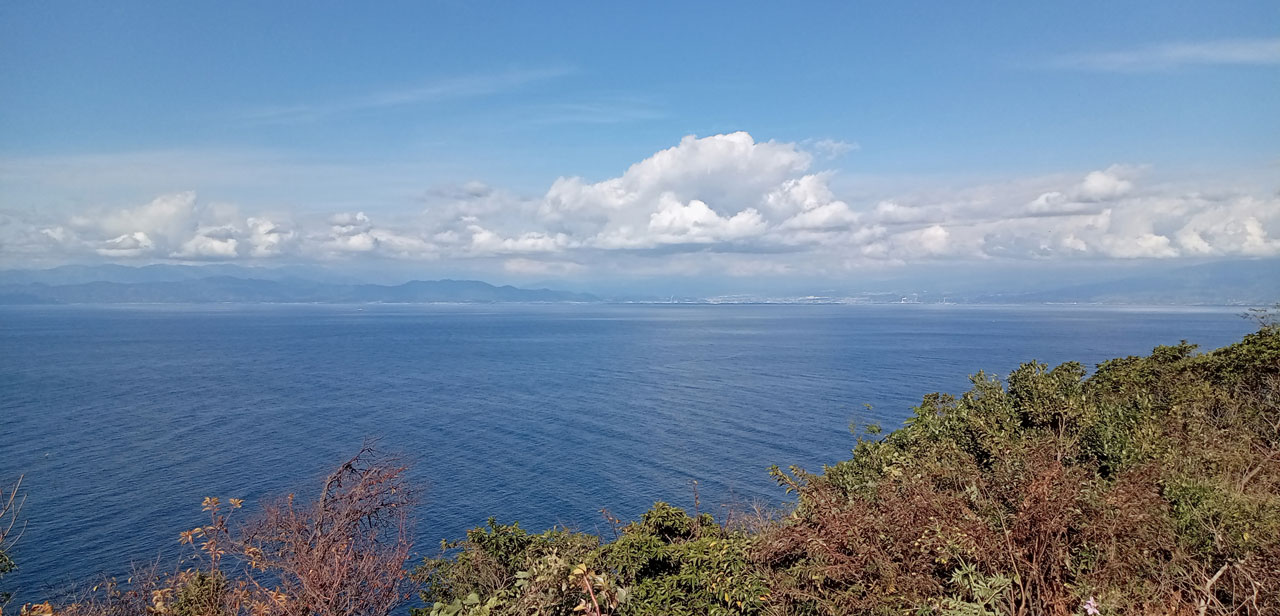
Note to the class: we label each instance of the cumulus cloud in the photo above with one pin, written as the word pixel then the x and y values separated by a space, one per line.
pixel 350 232
pixel 696 222
pixel 723 192
pixel 1109 183
pixel 892 213
pixel 807 203
pixel 484 241
pixel 126 245
pixel 211 243
pixel 1096 187
pixel 354 233
pixel 267 238
pixel 727 172
pixel 153 228
pixel 727 202
pixel 167 217
pixel 925 243
pixel 172 226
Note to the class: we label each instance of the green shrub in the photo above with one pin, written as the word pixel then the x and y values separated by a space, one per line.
pixel 1150 486
pixel 668 562
pixel 202 594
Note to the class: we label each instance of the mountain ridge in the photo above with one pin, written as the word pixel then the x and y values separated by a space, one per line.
pixel 1223 283
pixel 230 289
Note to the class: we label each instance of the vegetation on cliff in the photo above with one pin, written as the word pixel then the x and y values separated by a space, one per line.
pixel 342 553
pixel 1151 486
pixel 10 531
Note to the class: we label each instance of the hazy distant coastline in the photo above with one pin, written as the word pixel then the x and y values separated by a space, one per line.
pixel 223 289
pixel 1234 283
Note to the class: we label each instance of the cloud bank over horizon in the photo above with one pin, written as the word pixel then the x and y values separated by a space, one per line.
pixel 725 204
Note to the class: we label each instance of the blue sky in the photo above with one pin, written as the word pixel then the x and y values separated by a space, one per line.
pixel 434 135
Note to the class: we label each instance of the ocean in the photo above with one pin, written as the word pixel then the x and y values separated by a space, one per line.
pixel 123 418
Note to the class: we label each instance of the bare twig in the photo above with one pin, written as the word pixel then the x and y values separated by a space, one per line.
pixel 1254 471
pixel 344 554
pixel 1208 589
pixel 586 581
pixel 10 510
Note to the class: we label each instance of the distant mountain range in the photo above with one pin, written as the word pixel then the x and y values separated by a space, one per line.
pixel 1254 282
pixel 1242 282
pixel 163 284
pixel 80 274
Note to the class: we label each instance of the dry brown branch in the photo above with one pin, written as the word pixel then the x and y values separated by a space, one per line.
pixel 9 514
pixel 1208 589
pixel 344 554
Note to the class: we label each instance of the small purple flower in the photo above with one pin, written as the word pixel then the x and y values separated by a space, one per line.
pixel 1091 607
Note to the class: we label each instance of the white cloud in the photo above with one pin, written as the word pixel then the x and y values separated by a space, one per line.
pixel 1097 187
pixel 1072 243
pixel 696 222
pixel 126 245
pixel 354 234
pixel 150 229
pixel 807 203
pixel 1238 227
pixel 932 240
pixel 832 215
pixel 1106 184
pixel 1141 246
pixel 724 203
pixel 727 172
pixel 267 238
pixel 209 244
pixel 928 242
pixel 59 234
pixel 173 226
pixel 484 241
pixel 350 232
pixel 167 219
pixel 715 192
pixel 890 213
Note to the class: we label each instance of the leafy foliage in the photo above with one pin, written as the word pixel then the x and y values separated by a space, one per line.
pixel 1151 486
pixel 342 554
pixel 668 562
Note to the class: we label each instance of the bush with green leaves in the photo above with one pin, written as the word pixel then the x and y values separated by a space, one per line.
pixel 667 562
pixel 1151 486
pixel 6 566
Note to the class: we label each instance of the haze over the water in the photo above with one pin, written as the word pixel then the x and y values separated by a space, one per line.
pixel 647 148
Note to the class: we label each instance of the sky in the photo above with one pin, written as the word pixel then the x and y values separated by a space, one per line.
pixel 744 143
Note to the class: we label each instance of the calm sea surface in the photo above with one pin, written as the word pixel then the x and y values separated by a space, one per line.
pixel 123 418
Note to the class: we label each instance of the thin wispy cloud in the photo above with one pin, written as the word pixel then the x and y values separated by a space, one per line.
pixel 597 112
pixel 1257 52
pixel 831 148
pixel 470 86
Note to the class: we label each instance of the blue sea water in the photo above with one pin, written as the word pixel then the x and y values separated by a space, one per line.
pixel 123 418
